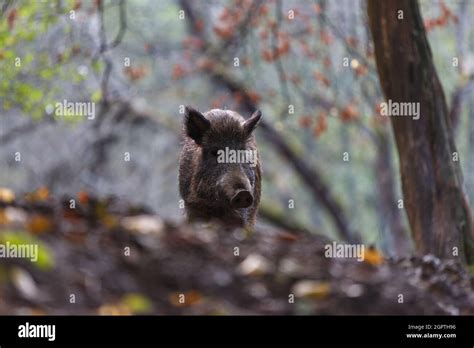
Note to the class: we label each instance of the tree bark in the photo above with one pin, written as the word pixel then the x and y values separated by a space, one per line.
pixel 470 178
pixel 437 207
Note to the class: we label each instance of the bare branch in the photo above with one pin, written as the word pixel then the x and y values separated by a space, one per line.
pixel 24 129
pixel 122 27
pixel 104 47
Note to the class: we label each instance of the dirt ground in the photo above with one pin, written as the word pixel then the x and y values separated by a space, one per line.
pixel 104 257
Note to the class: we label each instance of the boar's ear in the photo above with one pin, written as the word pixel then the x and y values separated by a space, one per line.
pixel 252 122
pixel 195 124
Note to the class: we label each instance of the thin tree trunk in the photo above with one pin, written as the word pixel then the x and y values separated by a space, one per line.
pixel 458 96
pixel 437 208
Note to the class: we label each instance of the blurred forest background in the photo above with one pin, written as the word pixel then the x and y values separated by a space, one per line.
pixel 309 66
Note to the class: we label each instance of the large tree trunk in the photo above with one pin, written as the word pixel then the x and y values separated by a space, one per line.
pixel 470 179
pixel 437 208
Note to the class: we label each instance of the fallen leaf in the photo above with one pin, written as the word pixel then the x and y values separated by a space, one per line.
pixel 100 209
pixel 109 221
pixel 137 303
pixel 3 217
pixel 254 265
pixel 72 214
pixel 24 283
pixel 44 257
pixel 39 224
pixel 312 289
pixel 287 236
pixel 37 311
pixel 40 195
pixel 83 197
pixel 185 299
pixel 143 224
pixel 373 256
pixel 353 290
pixel 14 216
pixel 114 309
pixel 77 236
pixel 290 266
pixel 6 195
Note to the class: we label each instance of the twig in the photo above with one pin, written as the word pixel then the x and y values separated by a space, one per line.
pixel 122 28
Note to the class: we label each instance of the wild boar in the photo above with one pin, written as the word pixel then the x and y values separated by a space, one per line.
pixel 219 167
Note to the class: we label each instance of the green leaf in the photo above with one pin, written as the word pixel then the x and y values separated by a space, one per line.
pixel 45 259
pixel 96 96
pixel 36 95
pixel 137 303
pixel 46 74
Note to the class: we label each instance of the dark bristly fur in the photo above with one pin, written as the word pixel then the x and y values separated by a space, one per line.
pixel 202 180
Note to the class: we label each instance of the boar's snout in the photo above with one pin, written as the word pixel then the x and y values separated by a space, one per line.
pixel 236 189
pixel 242 199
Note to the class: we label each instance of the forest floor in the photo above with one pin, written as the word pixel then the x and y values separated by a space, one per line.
pixel 104 257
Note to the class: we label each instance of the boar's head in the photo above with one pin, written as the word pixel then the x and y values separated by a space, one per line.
pixel 219 175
